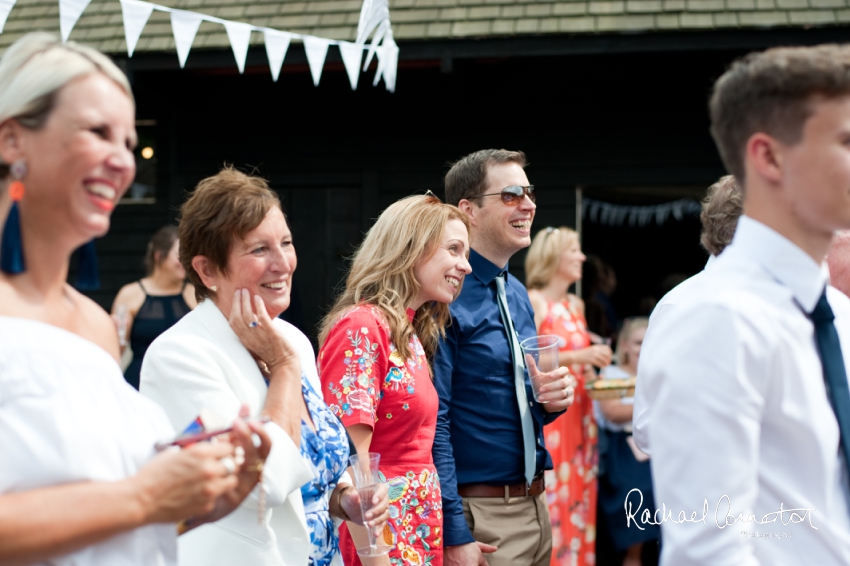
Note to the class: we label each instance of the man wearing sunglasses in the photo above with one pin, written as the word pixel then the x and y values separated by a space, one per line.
pixel 489 449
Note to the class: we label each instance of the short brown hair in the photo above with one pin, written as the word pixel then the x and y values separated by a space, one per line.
pixel 159 246
pixel 771 92
pixel 467 177
pixel 223 207
pixel 721 209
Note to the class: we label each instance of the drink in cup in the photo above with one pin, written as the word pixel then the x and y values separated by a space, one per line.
pixel 541 357
pixel 367 480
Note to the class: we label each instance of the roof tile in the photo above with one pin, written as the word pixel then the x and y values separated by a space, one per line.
pixel 460 29
pixel 101 22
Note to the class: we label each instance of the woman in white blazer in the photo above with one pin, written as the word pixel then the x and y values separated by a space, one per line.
pixel 232 350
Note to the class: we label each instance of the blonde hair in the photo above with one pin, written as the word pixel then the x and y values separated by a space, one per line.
pixel 544 255
pixel 381 273
pixel 35 68
pixel 629 326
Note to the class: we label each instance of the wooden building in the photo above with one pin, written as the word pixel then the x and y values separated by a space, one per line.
pixel 606 95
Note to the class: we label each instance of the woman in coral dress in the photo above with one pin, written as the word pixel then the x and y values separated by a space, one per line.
pixel 374 367
pixel 553 263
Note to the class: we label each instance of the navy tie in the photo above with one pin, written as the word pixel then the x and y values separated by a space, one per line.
pixel 834 373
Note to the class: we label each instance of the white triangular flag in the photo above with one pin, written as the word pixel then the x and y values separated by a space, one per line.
pixel 69 12
pixel 277 43
pixel 5 8
pixel 352 54
pixel 376 40
pixel 184 26
pixel 316 49
pixel 239 35
pixel 391 66
pixel 136 15
pixel 383 56
pixel 372 13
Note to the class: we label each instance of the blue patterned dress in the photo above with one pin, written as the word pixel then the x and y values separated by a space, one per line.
pixel 326 451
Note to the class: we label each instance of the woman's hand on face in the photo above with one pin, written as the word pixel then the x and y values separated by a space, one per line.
pixel 176 485
pixel 258 334
pixel 376 516
pixel 250 471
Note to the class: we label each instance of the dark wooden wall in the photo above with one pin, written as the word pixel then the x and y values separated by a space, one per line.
pixel 339 157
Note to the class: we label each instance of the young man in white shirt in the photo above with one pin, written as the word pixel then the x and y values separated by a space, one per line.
pixel 747 452
pixel 721 208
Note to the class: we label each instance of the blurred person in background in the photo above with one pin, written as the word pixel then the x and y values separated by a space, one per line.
pixel 721 209
pixel 233 350
pixel 623 466
pixel 553 264
pixel 81 482
pixel 148 307
pixel 410 266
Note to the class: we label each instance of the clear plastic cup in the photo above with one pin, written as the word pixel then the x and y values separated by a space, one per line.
pixel 367 480
pixel 541 357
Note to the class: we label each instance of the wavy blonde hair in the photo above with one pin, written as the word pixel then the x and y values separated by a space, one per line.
pixel 381 273
pixel 544 255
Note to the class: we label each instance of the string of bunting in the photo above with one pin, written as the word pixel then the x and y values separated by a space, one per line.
pixel 374 21
pixel 617 215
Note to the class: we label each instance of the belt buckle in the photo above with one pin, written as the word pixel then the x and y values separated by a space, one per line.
pixel 507 493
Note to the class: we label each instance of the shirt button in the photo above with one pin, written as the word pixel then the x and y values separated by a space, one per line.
pixel 530 404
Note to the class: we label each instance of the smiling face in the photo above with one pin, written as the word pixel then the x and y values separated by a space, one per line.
pixel 631 348
pixel 263 262
pixel 499 231
pixel 815 183
pixel 441 274
pixel 571 261
pixel 80 162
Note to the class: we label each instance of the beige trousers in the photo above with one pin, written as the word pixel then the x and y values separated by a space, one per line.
pixel 520 527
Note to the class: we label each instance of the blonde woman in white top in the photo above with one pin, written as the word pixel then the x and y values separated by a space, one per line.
pixel 80 482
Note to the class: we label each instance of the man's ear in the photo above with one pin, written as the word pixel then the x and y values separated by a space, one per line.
pixel 470 209
pixel 10 141
pixel 203 267
pixel 765 156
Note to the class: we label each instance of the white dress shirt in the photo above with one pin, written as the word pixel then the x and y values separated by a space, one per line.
pixel 200 363
pixel 645 389
pixel 67 415
pixel 741 419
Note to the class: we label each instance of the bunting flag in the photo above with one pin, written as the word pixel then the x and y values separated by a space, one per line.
pixel 239 35
pixel 616 215
pixel 185 26
pixel 69 12
pixel 352 54
pixel 136 15
pixel 277 44
pixel 374 21
pixel 316 49
pixel 5 8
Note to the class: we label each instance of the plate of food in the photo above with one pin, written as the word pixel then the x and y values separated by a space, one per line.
pixel 599 389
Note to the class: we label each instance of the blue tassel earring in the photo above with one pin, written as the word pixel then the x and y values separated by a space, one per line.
pixel 88 278
pixel 11 246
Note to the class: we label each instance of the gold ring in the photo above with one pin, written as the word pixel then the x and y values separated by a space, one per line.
pixel 257 466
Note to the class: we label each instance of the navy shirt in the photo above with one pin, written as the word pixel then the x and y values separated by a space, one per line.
pixel 479 434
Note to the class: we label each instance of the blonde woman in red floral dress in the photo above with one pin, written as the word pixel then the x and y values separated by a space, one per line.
pixel 554 262
pixel 373 364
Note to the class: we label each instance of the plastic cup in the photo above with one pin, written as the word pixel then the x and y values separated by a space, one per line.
pixel 367 480
pixel 541 356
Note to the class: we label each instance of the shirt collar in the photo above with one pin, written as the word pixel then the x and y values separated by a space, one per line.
pixel 783 259
pixel 483 269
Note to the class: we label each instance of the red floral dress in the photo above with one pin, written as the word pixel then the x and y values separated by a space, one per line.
pixel 571 487
pixel 365 381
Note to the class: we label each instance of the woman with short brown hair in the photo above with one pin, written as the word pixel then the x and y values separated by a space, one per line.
pixel 233 350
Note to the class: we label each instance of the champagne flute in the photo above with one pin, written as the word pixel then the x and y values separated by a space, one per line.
pixel 367 480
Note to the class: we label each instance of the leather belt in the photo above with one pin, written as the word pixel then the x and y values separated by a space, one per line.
pixel 537 487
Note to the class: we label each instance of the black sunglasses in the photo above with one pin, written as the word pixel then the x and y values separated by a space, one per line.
pixel 513 194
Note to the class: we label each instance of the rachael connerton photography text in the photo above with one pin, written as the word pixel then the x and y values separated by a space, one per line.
pixel 723 514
